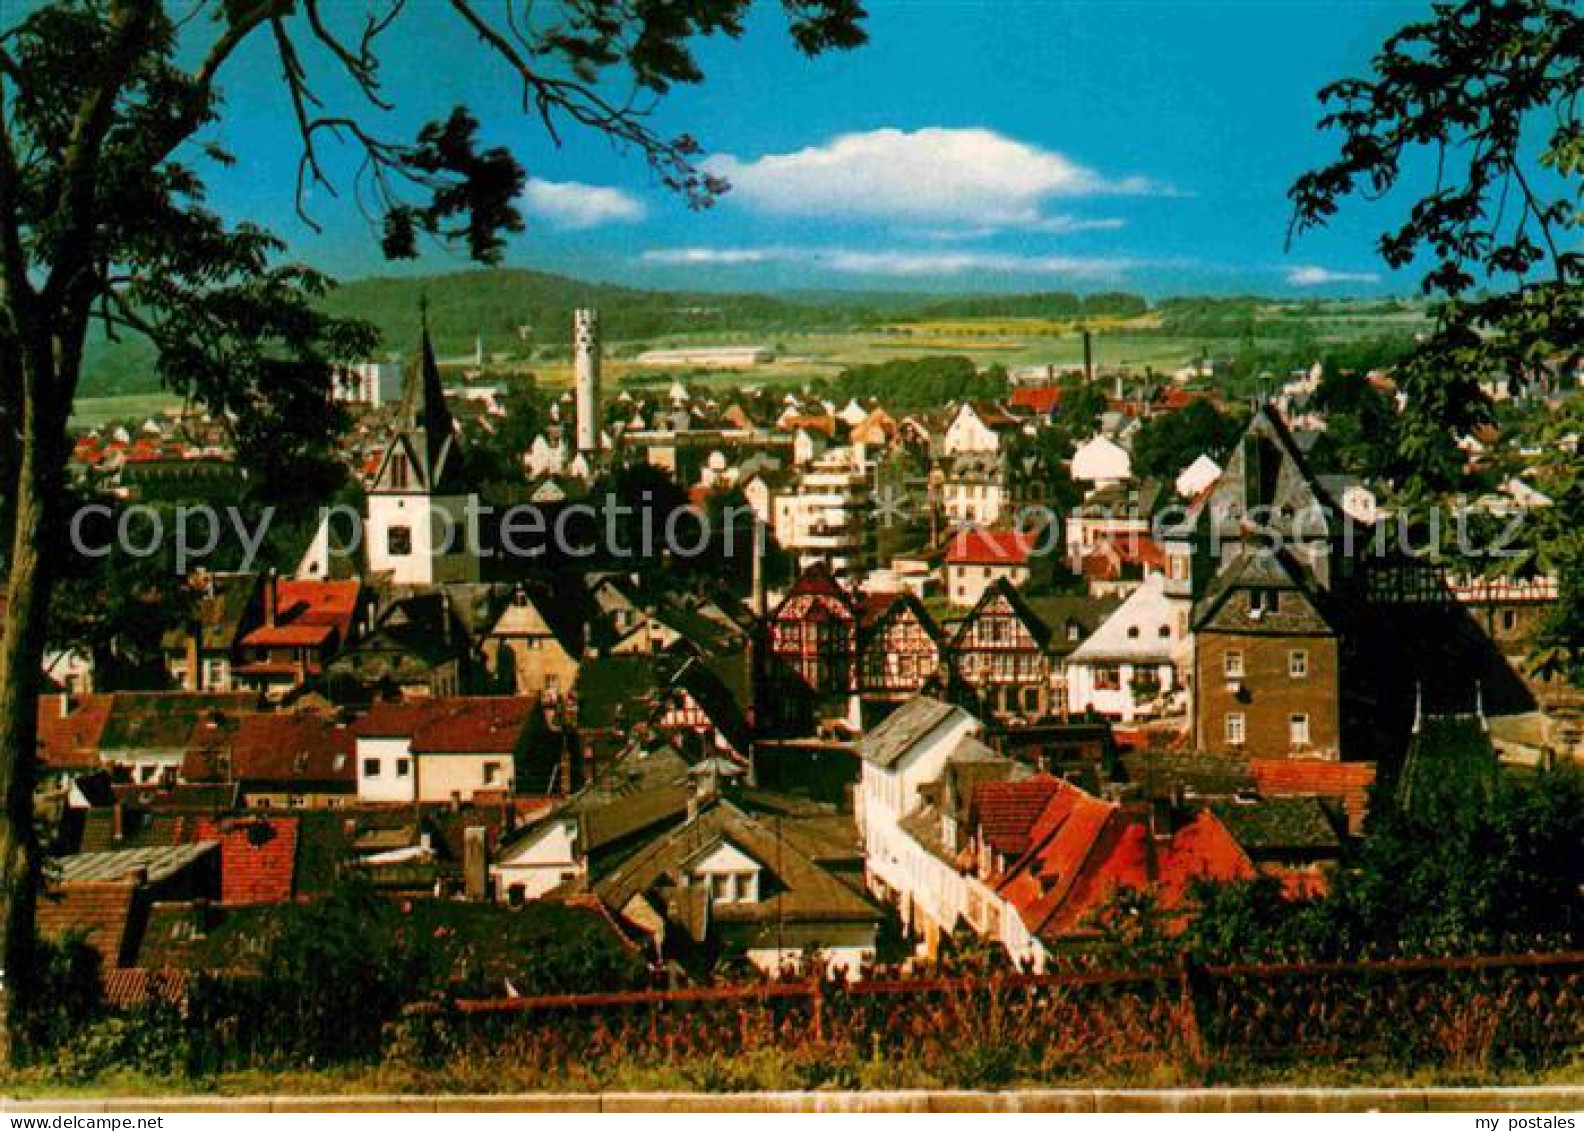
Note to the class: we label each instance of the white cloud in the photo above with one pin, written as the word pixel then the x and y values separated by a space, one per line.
pixel 711 255
pixel 1324 277
pixel 569 204
pixel 932 176
pixel 901 264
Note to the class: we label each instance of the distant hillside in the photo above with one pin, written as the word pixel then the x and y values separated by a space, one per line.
pixel 529 314
pixel 517 311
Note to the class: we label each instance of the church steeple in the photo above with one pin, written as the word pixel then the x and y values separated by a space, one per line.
pixel 426 434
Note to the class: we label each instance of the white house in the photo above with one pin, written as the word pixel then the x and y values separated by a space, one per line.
pixel 907 751
pixel 969 432
pixel 1101 462
pixel 1197 476
pixel 385 769
pixel 1130 661
pixel 543 859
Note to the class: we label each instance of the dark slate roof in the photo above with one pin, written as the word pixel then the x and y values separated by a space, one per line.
pixel 1273 824
pixel 645 786
pixel 793 887
pixel 426 432
pixel 161 721
pixel 1207 775
pixel 887 743
pixel 1058 611
pixel 1272 570
pixel 1002 588
pixel 203 937
pixel 616 691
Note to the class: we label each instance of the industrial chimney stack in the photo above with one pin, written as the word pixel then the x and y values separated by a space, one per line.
pixel 586 373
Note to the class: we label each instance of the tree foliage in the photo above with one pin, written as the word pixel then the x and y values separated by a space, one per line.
pixel 1474 91
pixel 1169 442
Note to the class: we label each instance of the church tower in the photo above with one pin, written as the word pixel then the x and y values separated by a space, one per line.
pixel 422 526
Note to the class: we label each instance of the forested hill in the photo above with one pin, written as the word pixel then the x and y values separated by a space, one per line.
pixel 516 310
pixel 529 313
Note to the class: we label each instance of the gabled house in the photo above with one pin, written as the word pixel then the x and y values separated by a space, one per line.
pixel 814 632
pixel 978 428
pixel 418 648
pixel 1001 651
pixel 1128 666
pixel 199 655
pixel 976 559
pixel 1269 661
pixel 302 625
pixel 534 647
pixel 901 649
pixel 566 850
pixel 466 748
pixel 728 884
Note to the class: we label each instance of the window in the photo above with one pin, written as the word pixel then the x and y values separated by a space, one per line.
pixel 1133 632
pixel 1164 632
pixel 492 773
pixel 1234 729
pixel 1073 631
pixel 371 767
pixel 1263 601
pixel 398 469
pixel 1232 663
pixel 398 541
pixel 403 767
pixel 1298 664
pixel 1107 677
pixel 1298 730
pixel 1509 619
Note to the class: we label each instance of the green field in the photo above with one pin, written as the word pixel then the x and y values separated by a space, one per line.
pixel 95 412
pixel 522 320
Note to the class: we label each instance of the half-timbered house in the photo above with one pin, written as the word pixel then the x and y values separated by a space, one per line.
pixel 1001 652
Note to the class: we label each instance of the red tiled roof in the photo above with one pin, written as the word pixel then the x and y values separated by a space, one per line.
pixel 1083 849
pixel 1297 777
pixel 71 741
pixel 1006 811
pixel 1111 553
pixel 132 987
pixel 393 718
pixel 289 636
pixel 473 726
pixel 299 746
pixel 978 546
pixel 258 857
pixel 308 614
pixel 1042 399
pixel 97 912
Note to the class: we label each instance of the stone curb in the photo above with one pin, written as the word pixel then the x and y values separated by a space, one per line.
pixel 1105 1100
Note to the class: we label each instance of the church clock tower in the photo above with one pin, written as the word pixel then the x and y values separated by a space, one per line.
pixel 422 523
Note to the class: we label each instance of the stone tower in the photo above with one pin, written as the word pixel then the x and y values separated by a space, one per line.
pixel 586 374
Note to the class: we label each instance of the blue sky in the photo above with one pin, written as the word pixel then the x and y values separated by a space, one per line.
pixel 971 145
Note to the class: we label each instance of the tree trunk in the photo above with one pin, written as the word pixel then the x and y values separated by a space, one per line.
pixel 34 539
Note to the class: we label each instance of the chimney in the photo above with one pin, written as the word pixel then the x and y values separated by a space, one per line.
pixel 475 863
pixel 1088 343
pixel 586 377
pixel 194 669
pixel 270 598
pixel 758 567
